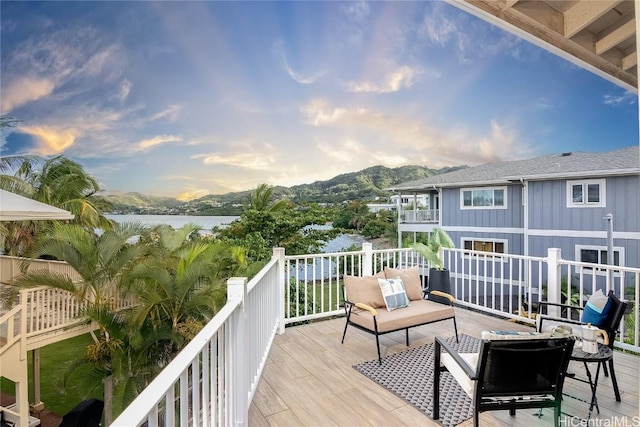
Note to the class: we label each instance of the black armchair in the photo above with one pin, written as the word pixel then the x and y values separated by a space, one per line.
pixel 610 325
pixel 507 374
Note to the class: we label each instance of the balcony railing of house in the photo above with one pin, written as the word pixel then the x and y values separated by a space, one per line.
pixel 213 379
pixel 429 216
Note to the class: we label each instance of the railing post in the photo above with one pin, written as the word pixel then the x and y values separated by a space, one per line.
pixel 367 259
pixel 282 288
pixel 239 394
pixel 554 285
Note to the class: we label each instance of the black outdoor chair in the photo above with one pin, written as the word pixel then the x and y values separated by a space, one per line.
pixel 87 413
pixel 507 374
pixel 610 325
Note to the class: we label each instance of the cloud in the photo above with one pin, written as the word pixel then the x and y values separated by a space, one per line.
pixel 172 112
pixel 246 154
pixel 401 78
pixel 394 140
pixel 157 140
pixel 21 90
pixel 279 50
pixel 51 140
pixel 626 98
pixel 125 87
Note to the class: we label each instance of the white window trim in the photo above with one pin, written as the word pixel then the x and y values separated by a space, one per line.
pixel 463 207
pixel 599 272
pixel 603 193
pixel 476 254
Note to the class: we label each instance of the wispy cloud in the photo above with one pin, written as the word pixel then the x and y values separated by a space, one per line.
pixel 402 78
pixel 157 140
pixel 51 140
pixel 626 98
pixel 393 140
pixel 171 113
pixel 246 154
pixel 302 79
pixel 21 90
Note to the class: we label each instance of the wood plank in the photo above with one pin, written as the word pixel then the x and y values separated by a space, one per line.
pixel 309 379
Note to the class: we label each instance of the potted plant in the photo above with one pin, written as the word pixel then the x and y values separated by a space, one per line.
pixel 431 251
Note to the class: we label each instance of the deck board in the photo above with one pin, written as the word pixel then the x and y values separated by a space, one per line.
pixel 309 380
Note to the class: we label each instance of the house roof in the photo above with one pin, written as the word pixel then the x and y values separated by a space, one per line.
pixel 625 161
pixel 14 207
pixel 597 35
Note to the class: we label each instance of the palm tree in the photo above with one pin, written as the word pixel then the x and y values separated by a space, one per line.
pixel 100 261
pixel 262 200
pixel 178 290
pixel 57 181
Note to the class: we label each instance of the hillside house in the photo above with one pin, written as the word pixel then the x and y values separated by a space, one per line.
pixel 523 207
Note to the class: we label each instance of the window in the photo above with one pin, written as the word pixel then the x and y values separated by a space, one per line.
pixel 483 198
pixel 497 245
pixel 589 193
pixel 598 255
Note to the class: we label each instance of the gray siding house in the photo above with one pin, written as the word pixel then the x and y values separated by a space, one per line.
pixel 524 207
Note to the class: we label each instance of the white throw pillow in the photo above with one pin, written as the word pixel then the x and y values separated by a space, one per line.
pixel 394 293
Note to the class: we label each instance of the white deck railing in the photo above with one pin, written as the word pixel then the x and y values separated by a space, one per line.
pixel 213 379
pixel 430 216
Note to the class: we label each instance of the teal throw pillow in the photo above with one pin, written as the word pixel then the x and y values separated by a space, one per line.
pixel 394 293
pixel 597 309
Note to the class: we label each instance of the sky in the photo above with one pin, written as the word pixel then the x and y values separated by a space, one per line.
pixel 185 99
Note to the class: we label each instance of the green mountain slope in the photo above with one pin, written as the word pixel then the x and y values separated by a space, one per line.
pixel 367 184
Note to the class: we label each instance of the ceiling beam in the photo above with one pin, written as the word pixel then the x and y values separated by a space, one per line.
pixel 541 32
pixel 583 13
pixel 620 34
pixel 629 61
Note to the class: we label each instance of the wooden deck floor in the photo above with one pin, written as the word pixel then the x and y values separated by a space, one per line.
pixel 309 381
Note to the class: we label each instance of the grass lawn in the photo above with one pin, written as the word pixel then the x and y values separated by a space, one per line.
pixel 54 360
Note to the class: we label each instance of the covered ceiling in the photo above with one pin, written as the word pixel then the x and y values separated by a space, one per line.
pixel 599 35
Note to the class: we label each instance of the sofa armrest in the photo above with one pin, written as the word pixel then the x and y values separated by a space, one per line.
pixel 450 297
pixel 370 309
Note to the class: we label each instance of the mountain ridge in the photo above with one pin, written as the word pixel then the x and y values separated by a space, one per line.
pixel 366 184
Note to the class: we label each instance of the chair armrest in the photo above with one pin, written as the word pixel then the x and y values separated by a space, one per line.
pixel 457 358
pixel 450 297
pixel 544 317
pixel 555 304
pixel 370 309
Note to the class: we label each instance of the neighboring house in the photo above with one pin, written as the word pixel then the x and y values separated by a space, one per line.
pixel 526 206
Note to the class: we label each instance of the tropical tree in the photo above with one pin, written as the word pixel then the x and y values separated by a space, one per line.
pixel 177 289
pixel 99 261
pixel 262 200
pixel 57 181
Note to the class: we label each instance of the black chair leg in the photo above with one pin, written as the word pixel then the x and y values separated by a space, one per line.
pixel 346 324
pixel 436 381
pixel 455 328
pixel 378 345
pixel 604 369
pixel 407 330
pixel 512 412
pixel 614 380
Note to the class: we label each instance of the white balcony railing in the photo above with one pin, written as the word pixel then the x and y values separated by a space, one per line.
pixel 430 216
pixel 212 381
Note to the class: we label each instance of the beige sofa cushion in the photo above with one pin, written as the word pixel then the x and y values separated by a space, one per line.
pixel 411 279
pixel 365 290
pixel 419 312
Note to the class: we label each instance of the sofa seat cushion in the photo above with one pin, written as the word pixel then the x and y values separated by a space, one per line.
pixel 411 279
pixel 418 313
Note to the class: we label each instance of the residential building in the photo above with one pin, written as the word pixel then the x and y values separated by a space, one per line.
pixel 522 207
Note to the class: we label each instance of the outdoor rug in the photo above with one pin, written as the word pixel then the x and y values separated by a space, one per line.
pixel 409 375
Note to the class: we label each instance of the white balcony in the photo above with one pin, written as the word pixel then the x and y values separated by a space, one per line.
pixel 250 370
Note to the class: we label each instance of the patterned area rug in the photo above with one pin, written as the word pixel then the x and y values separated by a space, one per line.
pixel 409 375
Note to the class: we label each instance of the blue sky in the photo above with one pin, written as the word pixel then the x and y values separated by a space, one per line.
pixel 192 98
